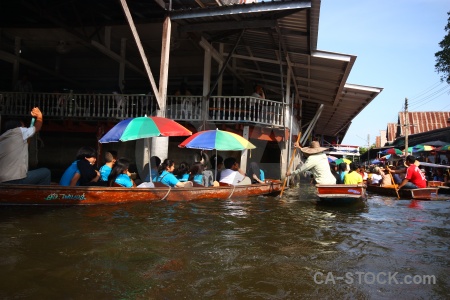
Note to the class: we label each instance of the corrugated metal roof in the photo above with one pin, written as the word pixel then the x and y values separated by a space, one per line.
pixel 391 132
pixel 422 121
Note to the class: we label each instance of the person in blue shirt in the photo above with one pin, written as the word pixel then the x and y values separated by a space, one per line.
pixel 155 161
pixel 165 175
pixel 120 174
pixel 196 173
pixel 182 172
pixel 71 175
pixel 110 159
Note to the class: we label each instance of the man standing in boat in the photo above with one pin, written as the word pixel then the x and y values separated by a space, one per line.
pixel 316 163
pixel 414 178
pixel 14 153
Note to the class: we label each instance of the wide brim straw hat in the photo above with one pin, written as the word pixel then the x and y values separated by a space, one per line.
pixel 313 148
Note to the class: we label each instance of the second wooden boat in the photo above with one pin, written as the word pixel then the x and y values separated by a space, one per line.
pixel 338 194
pixel 419 194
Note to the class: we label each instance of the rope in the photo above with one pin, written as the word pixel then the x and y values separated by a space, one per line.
pixel 232 192
pixel 168 192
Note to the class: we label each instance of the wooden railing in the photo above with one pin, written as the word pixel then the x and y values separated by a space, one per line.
pixel 107 106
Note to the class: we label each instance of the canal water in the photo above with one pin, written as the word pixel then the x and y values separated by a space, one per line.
pixel 259 248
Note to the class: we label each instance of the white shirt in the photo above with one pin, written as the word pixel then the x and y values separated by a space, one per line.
pixel 376 178
pixel 318 165
pixel 231 177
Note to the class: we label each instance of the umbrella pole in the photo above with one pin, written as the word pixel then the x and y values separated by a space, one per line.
pixel 215 168
pixel 147 141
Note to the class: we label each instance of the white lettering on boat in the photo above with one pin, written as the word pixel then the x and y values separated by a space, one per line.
pixel 352 191
pixel 55 196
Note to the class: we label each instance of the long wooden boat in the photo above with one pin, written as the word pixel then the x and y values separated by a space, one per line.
pixel 63 195
pixel 419 194
pixel 338 194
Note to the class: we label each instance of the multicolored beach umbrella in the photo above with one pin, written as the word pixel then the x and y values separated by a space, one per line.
pixel 331 158
pixel 421 148
pixel 392 151
pixel 444 148
pixel 143 127
pixel 343 160
pixel 217 139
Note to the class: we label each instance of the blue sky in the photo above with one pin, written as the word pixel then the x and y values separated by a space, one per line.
pixel 395 42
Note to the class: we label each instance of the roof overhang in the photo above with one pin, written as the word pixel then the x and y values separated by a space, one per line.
pixel 267 43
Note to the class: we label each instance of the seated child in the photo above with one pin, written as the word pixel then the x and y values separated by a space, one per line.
pixel 196 173
pixel 182 172
pixel 120 174
pixel 110 159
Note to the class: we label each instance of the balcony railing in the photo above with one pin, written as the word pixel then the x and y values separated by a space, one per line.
pixel 107 106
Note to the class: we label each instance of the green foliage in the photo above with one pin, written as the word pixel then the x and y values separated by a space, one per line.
pixel 363 150
pixel 443 57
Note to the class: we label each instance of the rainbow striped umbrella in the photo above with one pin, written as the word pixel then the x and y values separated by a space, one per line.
pixel 444 148
pixel 143 127
pixel 216 139
pixel 421 148
pixel 392 151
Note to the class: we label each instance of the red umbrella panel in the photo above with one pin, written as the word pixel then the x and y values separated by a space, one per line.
pixel 392 151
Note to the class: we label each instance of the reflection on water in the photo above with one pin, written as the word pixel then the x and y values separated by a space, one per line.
pixel 260 248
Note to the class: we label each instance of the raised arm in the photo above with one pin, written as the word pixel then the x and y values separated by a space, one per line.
pixel 36 113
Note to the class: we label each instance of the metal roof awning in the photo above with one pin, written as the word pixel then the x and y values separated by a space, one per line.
pixel 265 42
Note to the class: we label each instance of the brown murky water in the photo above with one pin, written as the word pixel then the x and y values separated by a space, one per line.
pixel 260 248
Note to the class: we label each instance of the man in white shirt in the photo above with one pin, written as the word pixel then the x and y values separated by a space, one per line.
pixel 232 174
pixel 316 163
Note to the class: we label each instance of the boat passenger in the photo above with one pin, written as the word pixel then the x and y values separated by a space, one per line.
pixel 362 171
pixel 71 176
pixel 216 166
pixel 316 163
pixel 342 172
pixel 85 164
pixel 414 177
pixel 110 160
pixel 439 175
pixel 232 174
pixel 387 180
pixel 120 174
pixel 379 178
pixel 196 173
pixel 334 171
pixel 14 153
pixel 166 177
pixel 182 172
pixel 375 177
pixel 254 172
pixel 353 176
pixel 155 161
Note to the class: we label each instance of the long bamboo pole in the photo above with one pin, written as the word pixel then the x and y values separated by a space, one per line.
pixel 290 164
pixel 395 185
